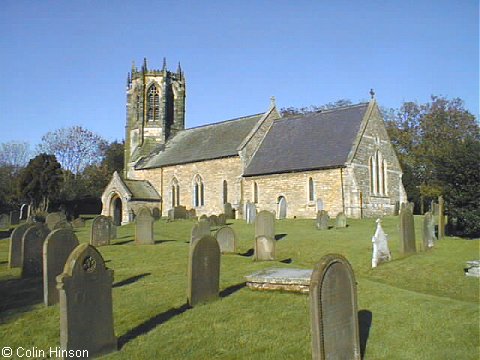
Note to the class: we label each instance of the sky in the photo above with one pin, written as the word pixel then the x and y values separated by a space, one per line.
pixel 65 63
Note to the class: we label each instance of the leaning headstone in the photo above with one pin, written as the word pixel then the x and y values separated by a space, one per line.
pixel 407 230
pixel 322 220
pixel 14 217
pixel 441 218
pixel 265 224
pixel 203 271
pixel 226 240
pixel 228 211
pixel 4 221
pixel 32 245
pixel 144 227
pixel 428 231
pixel 101 228
pixel 78 223
pixel 63 224
pixel 222 220
pixel 213 219
pixel 199 230
pixel 86 311
pixel 56 249
pixel 264 248
pixel 53 218
pixel 341 220
pixel 15 256
pixel 381 252
pixel 333 310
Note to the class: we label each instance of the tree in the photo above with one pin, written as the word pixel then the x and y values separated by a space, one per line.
pixel 40 181
pixel 74 147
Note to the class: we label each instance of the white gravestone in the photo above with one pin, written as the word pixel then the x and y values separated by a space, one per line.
pixel 381 252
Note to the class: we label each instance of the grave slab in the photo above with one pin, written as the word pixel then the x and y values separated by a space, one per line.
pixel 283 279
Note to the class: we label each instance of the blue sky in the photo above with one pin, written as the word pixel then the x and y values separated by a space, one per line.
pixel 65 63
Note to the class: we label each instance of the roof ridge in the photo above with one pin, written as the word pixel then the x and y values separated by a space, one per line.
pixel 321 111
pixel 224 121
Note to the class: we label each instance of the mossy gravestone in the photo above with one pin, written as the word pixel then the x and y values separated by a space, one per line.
pixel 203 271
pixel 199 230
pixel 228 210
pixel 265 224
pixel 222 220
pixel 32 245
pixel 407 230
pixel 78 223
pixel 226 240
pixel 264 248
pixel 333 310
pixel 86 313
pixel 322 220
pixel 57 247
pixel 341 220
pixel 101 228
pixel 15 255
pixel 53 218
pixel 62 224
pixel 428 231
pixel 213 219
pixel 144 227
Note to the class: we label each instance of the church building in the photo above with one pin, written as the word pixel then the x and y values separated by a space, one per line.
pixel 338 160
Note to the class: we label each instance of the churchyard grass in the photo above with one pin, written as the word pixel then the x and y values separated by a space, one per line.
pixel 422 306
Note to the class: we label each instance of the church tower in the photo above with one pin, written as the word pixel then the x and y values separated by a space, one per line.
pixel 155 110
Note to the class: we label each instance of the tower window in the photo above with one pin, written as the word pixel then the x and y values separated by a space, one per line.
pixel 153 105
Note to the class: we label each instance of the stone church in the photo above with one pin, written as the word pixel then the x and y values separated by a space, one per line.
pixel 338 160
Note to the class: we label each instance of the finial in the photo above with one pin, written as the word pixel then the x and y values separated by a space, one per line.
pixel 145 64
pixel 372 94
pixel 179 69
pixel 272 102
pixel 134 69
pixel 164 64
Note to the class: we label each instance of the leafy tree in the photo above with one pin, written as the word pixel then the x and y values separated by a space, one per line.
pixel 74 147
pixel 40 181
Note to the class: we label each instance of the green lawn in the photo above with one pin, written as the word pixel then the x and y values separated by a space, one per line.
pixel 418 307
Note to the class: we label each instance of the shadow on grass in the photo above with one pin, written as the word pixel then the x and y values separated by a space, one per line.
pixel 3 262
pixel 364 325
pixel 130 280
pixel 232 289
pixel 280 236
pixel 123 242
pixel 163 241
pixel 17 293
pixel 287 261
pixel 247 253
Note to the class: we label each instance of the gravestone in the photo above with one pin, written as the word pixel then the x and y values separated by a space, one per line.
pixel 63 224
pixel 322 220
pixel 319 204
pixel 101 229
pixel 15 255
pixel 428 231
pixel 53 218
pixel 78 223
pixel 441 218
pixel 204 217
pixel 333 310
pixel 57 247
pixel 213 220
pixel 407 230
pixel 265 224
pixel 14 217
pixel 156 213
pixel 32 245
pixel 396 208
pixel 226 240
pixel 282 208
pixel 4 221
pixel 191 214
pixel 171 215
pixel 264 248
pixel 113 231
pixel 179 212
pixel 250 212
pixel 341 220
pixel 203 271
pixel 199 230
pixel 222 220
pixel 228 211
pixel 86 312
pixel 144 227
pixel 381 252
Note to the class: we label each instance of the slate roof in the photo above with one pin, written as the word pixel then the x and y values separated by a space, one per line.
pixel 142 190
pixel 207 142
pixel 307 142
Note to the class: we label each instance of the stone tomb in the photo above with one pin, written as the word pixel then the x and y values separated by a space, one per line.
pixel 341 220
pixel 86 312
pixel 15 255
pixel 428 231
pixel 381 252
pixel 101 229
pixel 199 230
pixel 407 230
pixel 32 245
pixel 144 227
pixel 56 249
pixel 291 280
pixel 333 310
pixel 226 240
pixel 53 218
pixel 203 271
pixel 264 248
pixel 265 224
pixel 322 220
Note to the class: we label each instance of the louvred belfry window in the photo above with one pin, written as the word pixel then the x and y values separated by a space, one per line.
pixel 153 104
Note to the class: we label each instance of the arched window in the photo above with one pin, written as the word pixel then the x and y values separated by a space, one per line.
pixel 255 193
pixel 378 174
pixel 198 192
pixel 225 191
pixel 175 193
pixel 311 190
pixel 153 105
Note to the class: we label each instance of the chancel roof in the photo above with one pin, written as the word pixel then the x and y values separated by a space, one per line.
pixel 142 190
pixel 207 142
pixel 313 141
